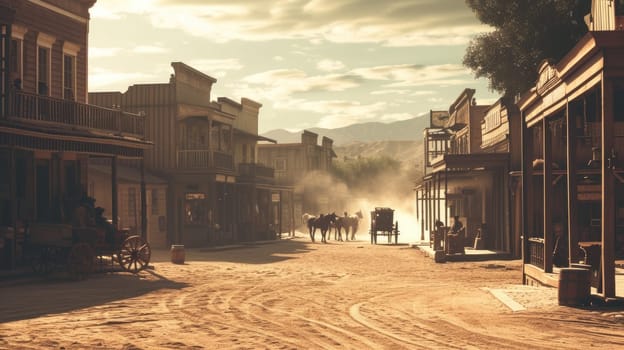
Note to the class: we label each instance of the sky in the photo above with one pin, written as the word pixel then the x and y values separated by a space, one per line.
pixel 310 63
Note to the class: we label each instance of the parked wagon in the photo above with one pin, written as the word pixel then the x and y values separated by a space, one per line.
pixel 50 247
pixel 383 224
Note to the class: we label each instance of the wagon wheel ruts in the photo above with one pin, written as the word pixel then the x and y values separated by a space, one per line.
pixel 46 261
pixel 80 261
pixel 134 254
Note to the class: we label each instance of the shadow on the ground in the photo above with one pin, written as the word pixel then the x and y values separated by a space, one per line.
pixel 40 297
pixel 265 253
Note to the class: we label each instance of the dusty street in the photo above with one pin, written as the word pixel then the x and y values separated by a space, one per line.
pixel 293 294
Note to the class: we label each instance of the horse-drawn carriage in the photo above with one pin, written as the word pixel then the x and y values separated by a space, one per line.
pixel 78 250
pixel 383 224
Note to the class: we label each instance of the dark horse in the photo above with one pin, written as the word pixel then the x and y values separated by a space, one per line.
pixel 322 222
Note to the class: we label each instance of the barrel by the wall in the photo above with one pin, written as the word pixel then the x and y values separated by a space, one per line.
pixel 574 286
pixel 177 254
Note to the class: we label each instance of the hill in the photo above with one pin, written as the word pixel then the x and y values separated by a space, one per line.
pixel 404 130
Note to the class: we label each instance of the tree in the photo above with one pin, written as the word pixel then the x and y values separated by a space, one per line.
pixel 525 33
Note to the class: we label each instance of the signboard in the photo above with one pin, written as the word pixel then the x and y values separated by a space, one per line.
pixel 438 119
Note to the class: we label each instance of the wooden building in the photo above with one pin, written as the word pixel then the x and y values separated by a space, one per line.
pixel 573 172
pixel 293 162
pixel 200 145
pixel 467 164
pixel 47 131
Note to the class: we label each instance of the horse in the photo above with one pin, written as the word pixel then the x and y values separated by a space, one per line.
pixel 322 223
pixel 306 217
pixel 351 222
pixel 341 222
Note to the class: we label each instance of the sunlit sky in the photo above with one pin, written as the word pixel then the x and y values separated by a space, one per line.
pixel 311 63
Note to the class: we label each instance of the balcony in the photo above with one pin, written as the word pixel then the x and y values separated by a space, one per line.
pixel 254 171
pixel 46 110
pixel 204 159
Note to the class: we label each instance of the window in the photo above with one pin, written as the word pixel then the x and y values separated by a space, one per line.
pixel 195 209
pixel 280 164
pixel 132 202
pixel 619 7
pixel 15 63
pixel 69 77
pixel 43 71
pixel 44 52
pixel 155 210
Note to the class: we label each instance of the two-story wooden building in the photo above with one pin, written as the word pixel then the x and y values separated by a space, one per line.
pixel 293 162
pixel 198 146
pixel 467 164
pixel 47 131
pixel 573 142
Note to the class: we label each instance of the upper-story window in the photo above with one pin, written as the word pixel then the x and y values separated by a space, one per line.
pixel 44 58
pixel 69 77
pixel 70 52
pixel 280 164
pixel 16 59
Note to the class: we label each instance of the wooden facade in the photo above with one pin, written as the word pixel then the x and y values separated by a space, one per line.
pixel 47 131
pixel 467 163
pixel 199 147
pixel 293 162
pixel 573 175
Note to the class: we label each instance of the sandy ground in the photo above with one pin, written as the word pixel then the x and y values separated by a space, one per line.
pixel 294 294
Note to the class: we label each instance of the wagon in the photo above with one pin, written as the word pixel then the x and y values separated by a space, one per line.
pixel 51 247
pixel 383 224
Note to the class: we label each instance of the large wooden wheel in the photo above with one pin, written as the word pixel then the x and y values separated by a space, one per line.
pixel 80 261
pixel 134 254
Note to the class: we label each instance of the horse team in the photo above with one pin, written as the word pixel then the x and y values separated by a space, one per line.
pixel 326 222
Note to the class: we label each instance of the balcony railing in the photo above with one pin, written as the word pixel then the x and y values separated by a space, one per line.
pixel 253 170
pixel 536 252
pixel 204 159
pixel 45 109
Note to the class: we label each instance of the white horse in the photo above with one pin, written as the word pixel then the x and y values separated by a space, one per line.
pixel 352 222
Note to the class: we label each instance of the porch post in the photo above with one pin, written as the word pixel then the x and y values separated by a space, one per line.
pixel 572 223
pixel 114 204
pixel 608 191
pixel 446 213
pixel 527 188
pixel 143 202
pixel 547 224
pixel 14 214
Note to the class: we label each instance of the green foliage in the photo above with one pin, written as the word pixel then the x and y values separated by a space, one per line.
pixel 361 172
pixel 526 32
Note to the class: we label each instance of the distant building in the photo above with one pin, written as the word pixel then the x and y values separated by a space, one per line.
pixel 206 149
pixel 293 162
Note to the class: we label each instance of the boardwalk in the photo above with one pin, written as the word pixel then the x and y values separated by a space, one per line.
pixel 293 295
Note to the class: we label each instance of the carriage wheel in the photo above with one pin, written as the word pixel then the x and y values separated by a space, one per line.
pixel 45 261
pixel 134 254
pixel 80 261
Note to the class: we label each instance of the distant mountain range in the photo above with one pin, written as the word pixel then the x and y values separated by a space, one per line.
pixel 404 130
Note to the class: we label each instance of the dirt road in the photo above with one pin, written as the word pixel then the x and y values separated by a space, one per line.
pixel 293 295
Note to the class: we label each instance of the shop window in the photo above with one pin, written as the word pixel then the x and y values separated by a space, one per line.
pixel 195 209
pixel 155 198
pixel 619 7
pixel 132 200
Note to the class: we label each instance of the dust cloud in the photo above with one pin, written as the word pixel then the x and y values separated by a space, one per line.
pixel 327 194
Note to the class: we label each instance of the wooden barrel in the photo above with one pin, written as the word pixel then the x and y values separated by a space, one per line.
pixel 574 288
pixel 177 254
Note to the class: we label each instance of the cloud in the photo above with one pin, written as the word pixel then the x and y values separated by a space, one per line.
pixel 396 23
pixel 101 78
pixel 147 49
pixel 216 67
pixel 328 65
pixel 96 52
